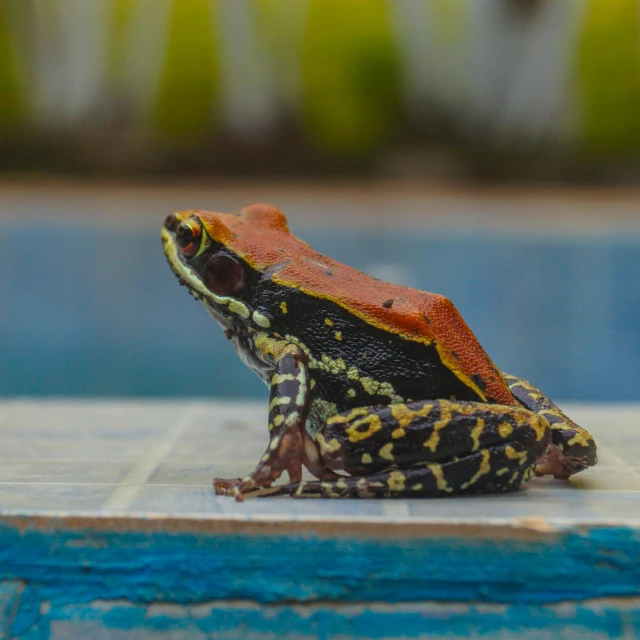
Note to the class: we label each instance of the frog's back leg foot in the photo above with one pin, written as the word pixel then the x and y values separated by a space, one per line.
pixel 572 449
pixel 427 449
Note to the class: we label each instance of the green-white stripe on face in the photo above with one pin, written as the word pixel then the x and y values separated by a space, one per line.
pixel 195 283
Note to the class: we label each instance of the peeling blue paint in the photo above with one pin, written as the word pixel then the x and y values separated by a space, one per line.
pixel 28 611
pixel 66 572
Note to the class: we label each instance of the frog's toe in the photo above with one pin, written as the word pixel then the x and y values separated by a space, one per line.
pixel 558 464
pixel 223 486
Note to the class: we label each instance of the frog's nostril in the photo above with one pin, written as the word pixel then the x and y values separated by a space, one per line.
pixel 171 223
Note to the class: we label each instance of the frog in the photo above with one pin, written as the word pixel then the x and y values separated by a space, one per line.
pixel 378 390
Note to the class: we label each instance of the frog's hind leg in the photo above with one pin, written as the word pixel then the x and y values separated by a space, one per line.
pixel 572 449
pixel 431 449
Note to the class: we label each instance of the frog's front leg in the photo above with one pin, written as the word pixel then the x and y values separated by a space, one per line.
pixel 427 449
pixel 288 408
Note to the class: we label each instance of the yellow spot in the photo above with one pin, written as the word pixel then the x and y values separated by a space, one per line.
pixel 366 458
pixel 273 445
pixel 283 307
pixel 354 432
pixel 373 387
pixel 327 447
pixel 386 451
pixel 329 364
pixel 512 454
pixel 398 433
pixel 282 377
pixel 438 474
pixel 476 432
pixel 328 322
pixel 278 420
pixel 434 439
pixel 239 309
pixel 513 478
pixel 351 393
pixel 276 348
pixel 445 419
pixel 300 396
pixel 485 468
pixel 343 418
pixel 312 384
pixel 578 439
pixel 540 425
pixel 501 472
pixel 396 481
pixel 341 483
pixel 338 335
pixel 277 401
pixel 261 320
pixel 505 429
pixel 417 487
pixel 406 416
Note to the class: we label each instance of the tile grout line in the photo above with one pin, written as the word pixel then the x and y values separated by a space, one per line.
pixel 125 495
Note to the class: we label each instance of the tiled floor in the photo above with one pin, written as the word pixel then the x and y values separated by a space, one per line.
pixel 141 458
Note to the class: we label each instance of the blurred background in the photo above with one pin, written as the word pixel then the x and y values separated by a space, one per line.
pixel 488 150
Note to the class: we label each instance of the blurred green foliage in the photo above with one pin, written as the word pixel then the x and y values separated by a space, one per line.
pixel 11 103
pixel 308 83
pixel 350 75
pixel 184 108
pixel 609 74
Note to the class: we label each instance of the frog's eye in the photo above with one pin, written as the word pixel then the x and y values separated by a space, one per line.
pixel 225 276
pixel 189 236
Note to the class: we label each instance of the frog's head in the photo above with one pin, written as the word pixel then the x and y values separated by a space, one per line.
pixel 221 259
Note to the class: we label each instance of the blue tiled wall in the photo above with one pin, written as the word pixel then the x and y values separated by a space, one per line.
pixel 89 311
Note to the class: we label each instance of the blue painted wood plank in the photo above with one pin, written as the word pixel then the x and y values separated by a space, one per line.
pixel 73 578
pixel 66 564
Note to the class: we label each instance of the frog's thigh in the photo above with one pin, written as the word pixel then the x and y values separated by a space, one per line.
pixel 576 449
pixel 430 448
pixel 372 438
